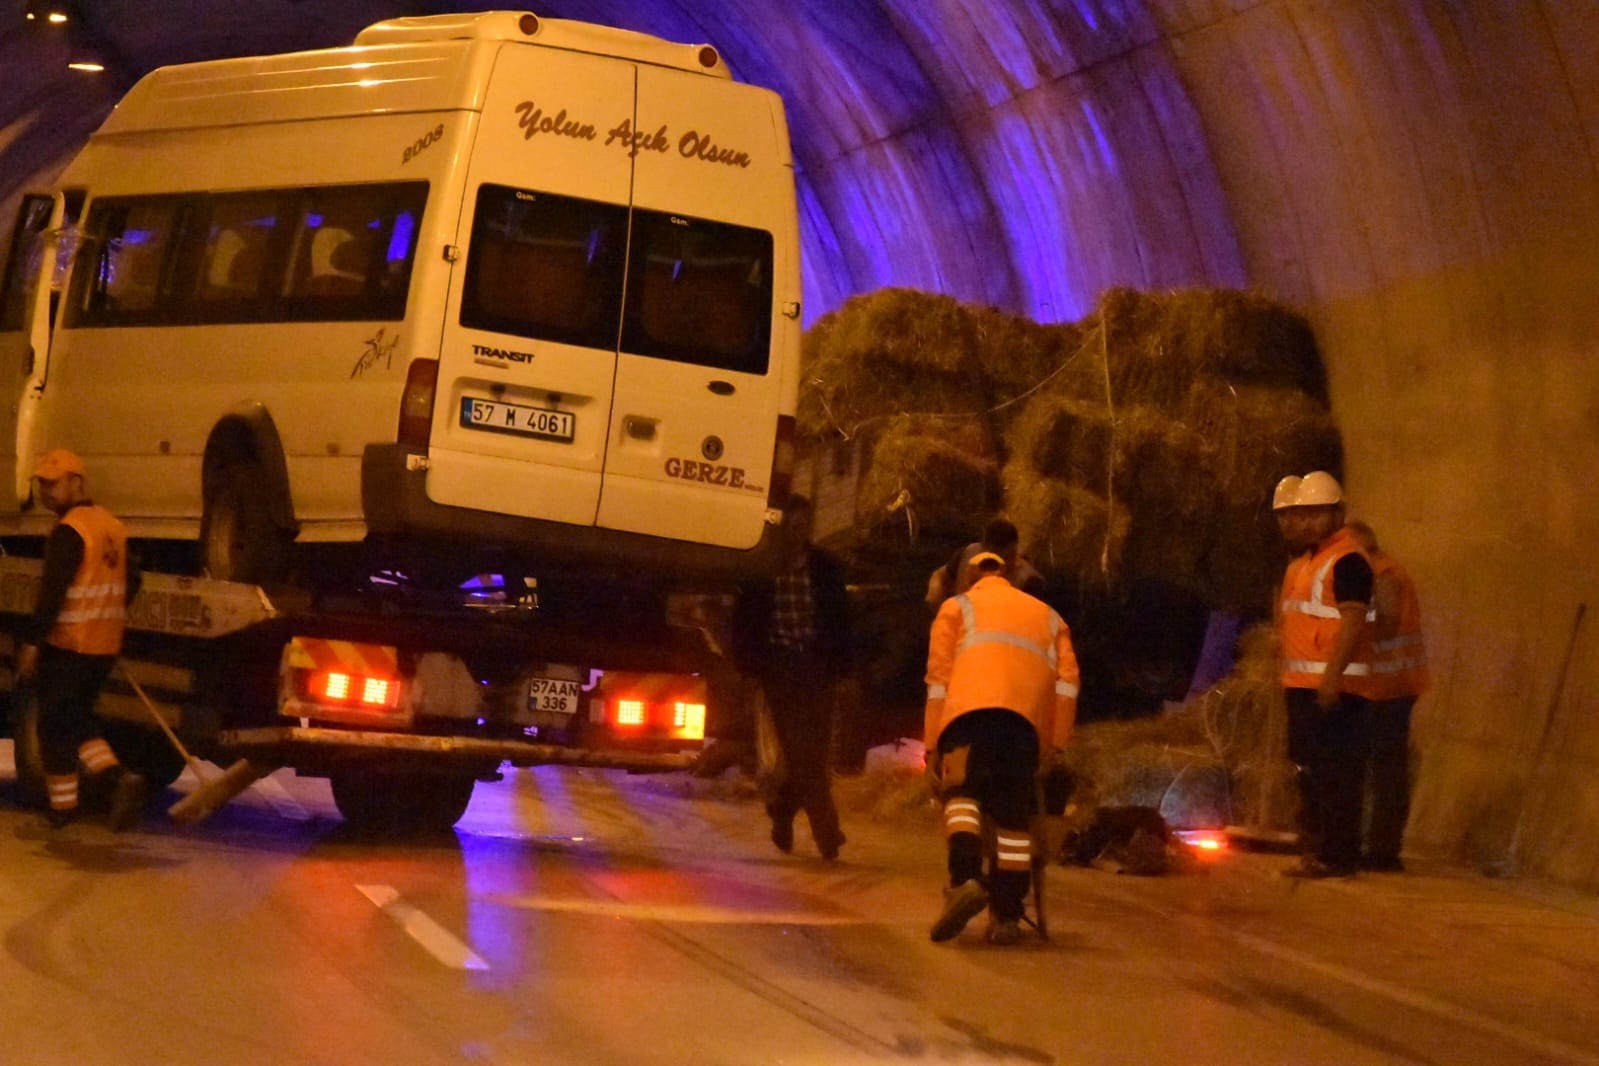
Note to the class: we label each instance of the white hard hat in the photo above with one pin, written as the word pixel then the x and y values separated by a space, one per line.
pixel 1318 489
pixel 1286 492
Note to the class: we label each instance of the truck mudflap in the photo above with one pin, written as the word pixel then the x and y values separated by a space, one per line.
pixel 290 745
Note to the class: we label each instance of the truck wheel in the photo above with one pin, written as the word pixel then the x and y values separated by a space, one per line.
pixel 143 750
pixel 238 539
pixel 399 804
pixel 25 737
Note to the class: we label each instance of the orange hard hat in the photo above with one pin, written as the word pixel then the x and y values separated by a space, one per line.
pixel 57 463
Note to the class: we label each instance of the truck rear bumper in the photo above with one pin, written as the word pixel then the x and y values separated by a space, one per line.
pixel 395 503
pixel 308 746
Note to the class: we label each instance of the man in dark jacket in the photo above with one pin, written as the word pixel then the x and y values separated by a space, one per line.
pixel 792 633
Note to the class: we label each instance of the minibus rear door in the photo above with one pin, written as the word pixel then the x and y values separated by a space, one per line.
pixel 529 344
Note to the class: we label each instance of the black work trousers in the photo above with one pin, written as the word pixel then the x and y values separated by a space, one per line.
pixel 68 684
pixel 1000 773
pixel 799 694
pixel 1388 778
pixel 1329 749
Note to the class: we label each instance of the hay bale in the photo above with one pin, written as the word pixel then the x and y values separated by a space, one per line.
pixel 930 481
pixel 1061 436
pixel 1246 723
pixel 1065 529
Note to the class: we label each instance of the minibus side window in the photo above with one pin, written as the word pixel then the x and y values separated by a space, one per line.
pixel 334 253
pixel 545 266
pixel 699 292
pixel 234 251
pixel 131 239
pixel 350 252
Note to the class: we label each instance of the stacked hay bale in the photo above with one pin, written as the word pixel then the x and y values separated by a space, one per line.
pixel 1141 441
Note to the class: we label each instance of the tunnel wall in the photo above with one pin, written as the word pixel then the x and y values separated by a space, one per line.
pixel 1421 179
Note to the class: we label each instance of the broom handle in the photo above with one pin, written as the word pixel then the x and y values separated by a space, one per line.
pixel 149 705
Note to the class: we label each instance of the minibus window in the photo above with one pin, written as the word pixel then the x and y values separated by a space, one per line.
pixel 699 292
pixel 237 247
pixel 545 266
pixel 131 241
pixel 351 251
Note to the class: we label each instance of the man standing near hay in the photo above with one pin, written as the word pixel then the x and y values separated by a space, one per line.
pixel 1000 537
pixel 1001 681
pixel 1398 677
pixel 793 634
pixel 1325 643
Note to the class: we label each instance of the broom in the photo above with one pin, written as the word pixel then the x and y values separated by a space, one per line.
pixel 213 793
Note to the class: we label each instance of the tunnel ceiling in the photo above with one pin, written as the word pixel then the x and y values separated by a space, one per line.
pixel 1022 153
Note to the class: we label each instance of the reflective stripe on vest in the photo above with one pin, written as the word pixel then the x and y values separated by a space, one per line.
pixel 1310 624
pixel 971 635
pixel 93 612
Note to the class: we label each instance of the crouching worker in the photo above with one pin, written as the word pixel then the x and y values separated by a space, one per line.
pixel 1001 684
pixel 73 640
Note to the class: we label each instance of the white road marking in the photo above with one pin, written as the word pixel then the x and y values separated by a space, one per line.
pixel 687 913
pixel 437 940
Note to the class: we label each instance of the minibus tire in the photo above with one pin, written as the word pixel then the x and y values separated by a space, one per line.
pixel 238 539
pixel 30 789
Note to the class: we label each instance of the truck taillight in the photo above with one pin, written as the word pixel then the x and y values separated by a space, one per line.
pixel 416 403
pixel 782 464
pixel 336 686
pixel 651 708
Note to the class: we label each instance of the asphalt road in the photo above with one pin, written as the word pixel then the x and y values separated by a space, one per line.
pixel 591 917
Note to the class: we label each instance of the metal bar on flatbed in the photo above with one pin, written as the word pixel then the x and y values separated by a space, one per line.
pixel 516 752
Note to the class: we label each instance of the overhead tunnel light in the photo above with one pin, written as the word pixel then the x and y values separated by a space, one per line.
pixel 52 11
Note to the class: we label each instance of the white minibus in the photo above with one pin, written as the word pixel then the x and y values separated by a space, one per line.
pixel 477 281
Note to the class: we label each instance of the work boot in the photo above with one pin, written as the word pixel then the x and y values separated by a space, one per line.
pixel 128 794
pixel 1383 864
pixel 1003 932
pixel 829 844
pixel 961 905
pixel 783 835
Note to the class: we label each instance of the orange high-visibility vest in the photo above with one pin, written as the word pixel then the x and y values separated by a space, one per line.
pixel 1310 621
pixel 92 617
pixel 994 646
pixel 1399 658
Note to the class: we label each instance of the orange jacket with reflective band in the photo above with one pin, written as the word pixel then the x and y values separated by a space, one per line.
pixel 1399 658
pixel 1309 620
pixel 996 646
pixel 92 616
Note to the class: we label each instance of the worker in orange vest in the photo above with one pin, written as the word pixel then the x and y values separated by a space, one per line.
pixel 1001 683
pixel 73 639
pixel 1325 644
pixel 1399 676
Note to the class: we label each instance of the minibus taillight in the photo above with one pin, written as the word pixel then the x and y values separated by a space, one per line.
pixel 782 464
pixel 416 403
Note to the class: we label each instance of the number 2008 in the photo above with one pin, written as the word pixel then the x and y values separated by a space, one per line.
pixel 423 143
